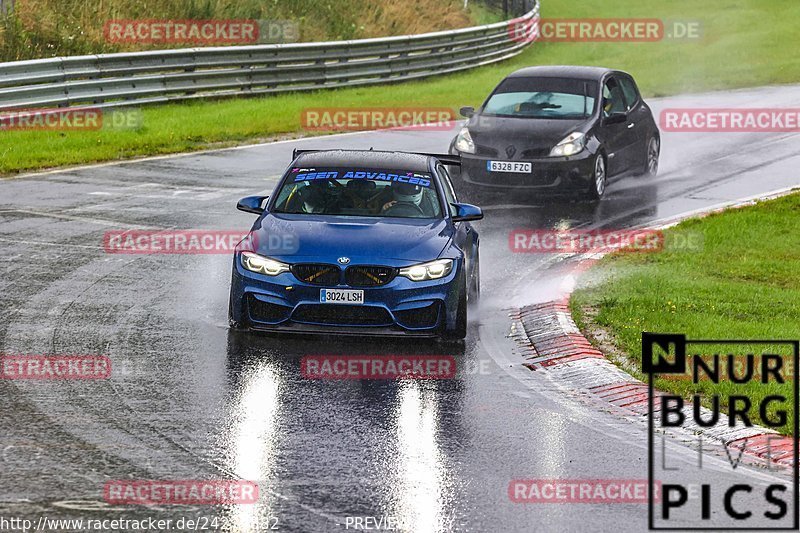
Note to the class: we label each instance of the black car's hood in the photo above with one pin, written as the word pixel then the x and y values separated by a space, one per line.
pixel 532 136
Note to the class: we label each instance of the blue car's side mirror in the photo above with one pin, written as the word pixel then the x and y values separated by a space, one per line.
pixel 466 212
pixel 252 204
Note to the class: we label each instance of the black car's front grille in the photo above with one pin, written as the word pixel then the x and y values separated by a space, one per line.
pixel 369 276
pixel 425 317
pixel 266 312
pixel 342 315
pixel 534 153
pixel 318 274
pixel 485 151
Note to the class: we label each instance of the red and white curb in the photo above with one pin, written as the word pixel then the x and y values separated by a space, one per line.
pixel 550 341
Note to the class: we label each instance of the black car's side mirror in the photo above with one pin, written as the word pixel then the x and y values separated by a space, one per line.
pixel 252 204
pixel 467 111
pixel 616 118
pixel 467 212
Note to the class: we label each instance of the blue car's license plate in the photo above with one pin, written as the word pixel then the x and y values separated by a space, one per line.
pixel 341 296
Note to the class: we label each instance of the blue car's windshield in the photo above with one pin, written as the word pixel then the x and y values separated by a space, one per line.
pixel 358 192
pixel 549 98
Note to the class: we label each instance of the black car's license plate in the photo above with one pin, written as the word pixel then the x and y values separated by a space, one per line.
pixel 509 166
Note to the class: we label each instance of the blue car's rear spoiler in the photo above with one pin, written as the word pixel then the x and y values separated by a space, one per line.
pixel 446 159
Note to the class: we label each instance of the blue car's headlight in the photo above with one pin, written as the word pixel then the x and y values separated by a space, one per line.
pixel 426 271
pixel 263 265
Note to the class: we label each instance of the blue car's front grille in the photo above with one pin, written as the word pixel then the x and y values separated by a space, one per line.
pixel 369 276
pixel 266 312
pixel 423 317
pixel 342 315
pixel 318 274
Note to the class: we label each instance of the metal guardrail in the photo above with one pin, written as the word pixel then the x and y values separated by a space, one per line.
pixel 128 79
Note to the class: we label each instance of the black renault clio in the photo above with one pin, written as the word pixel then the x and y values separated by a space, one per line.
pixel 558 129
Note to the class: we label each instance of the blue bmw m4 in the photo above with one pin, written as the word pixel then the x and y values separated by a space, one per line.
pixel 360 243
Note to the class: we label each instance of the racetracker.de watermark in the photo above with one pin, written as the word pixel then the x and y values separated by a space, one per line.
pixel 603 30
pixel 601 241
pixel 55 367
pixel 205 32
pixel 387 367
pixel 80 119
pixel 181 492
pixel 378 118
pixel 197 242
pixel 578 491
pixel 731 120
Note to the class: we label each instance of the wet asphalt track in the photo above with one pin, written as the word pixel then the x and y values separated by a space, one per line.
pixel 188 400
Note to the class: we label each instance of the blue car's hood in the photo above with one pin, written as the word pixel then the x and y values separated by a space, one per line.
pixel 313 238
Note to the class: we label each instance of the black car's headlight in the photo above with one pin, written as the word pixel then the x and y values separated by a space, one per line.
pixel 464 142
pixel 427 271
pixel 263 265
pixel 570 145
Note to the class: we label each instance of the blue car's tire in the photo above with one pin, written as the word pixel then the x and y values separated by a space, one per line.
pixel 238 325
pixel 474 294
pixel 459 332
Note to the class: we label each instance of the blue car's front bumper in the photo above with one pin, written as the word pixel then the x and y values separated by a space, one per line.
pixel 401 307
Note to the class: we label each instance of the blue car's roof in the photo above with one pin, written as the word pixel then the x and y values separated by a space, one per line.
pixel 366 159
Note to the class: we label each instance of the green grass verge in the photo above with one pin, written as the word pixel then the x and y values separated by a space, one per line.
pixel 744 43
pixel 742 284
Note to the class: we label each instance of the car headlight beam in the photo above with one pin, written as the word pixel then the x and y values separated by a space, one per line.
pixel 428 271
pixel 572 144
pixel 464 142
pixel 263 265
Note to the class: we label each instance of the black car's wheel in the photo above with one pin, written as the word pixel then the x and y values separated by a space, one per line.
pixel 651 157
pixel 599 179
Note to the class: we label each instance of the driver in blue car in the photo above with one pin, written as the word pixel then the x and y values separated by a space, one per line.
pixel 404 193
pixel 314 197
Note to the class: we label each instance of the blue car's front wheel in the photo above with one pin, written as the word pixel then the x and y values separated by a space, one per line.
pixel 235 322
pixel 459 330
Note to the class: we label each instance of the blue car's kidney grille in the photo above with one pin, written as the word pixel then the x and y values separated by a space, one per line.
pixel 318 274
pixel 369 276
pixel 342 315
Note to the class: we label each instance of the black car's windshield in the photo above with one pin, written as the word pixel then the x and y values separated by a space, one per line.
pixel 549 98
pixel 358 192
